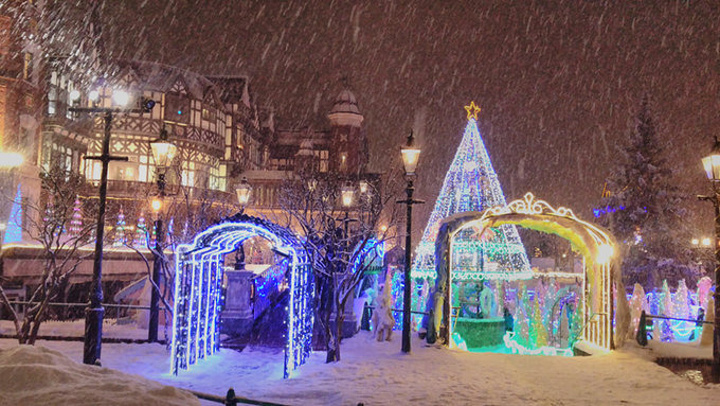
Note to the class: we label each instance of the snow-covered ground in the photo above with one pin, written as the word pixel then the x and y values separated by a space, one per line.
pixel 41 376
pixel 379 374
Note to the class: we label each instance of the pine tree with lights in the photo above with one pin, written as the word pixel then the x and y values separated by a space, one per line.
pixel 120 237
pixel 471 184
pixel 140 232
pixel 642 208
pixel 76 222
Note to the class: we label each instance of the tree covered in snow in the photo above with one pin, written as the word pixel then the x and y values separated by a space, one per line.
pixel 642 208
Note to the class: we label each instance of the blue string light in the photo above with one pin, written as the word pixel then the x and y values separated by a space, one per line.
pixel 198 299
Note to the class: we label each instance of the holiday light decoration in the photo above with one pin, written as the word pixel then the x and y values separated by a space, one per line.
pixel 140 232
pixel 198 284
pixel 13 231
pixel 517 348
pixel 471 184
pixel 76 222
pixel 373 251
pixel 120 237
pixel 592 242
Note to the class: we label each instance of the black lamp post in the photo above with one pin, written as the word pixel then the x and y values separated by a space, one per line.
pixel 347 197
pixel 163 152
pixel 410 154
pixel 243 192
pixel 712 169
pixel 95 312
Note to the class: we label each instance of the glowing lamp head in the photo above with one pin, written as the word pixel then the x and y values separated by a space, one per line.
pixel 156 205
pixel 410 155
pixel 364 187
pixel 121 97
pixel 163 151
pixel 605 253
pixel 94 96
pixel 10 159
pixel 74 95
pixel 695 242
pixel 706 242
pixel 347 194
pixel 383 228
pixel 243 191
pixel 711 163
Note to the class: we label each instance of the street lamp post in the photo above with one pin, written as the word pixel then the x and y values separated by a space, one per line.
pixel 711 163
pixel 163 152
pixel 243 192
pixel 410 154
pixel 347 197
pixel 95 312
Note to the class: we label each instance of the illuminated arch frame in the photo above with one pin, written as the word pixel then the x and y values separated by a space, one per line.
pixel 198 282
pixel 595 244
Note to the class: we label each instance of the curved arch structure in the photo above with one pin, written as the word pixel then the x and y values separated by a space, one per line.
pixel 594 243
pixel 198 282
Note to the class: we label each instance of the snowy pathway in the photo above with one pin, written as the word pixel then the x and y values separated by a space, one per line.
pixel 378 374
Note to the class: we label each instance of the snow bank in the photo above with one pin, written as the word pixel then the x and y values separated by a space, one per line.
pixel 40 376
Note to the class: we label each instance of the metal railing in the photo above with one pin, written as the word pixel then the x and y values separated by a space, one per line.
pixel 642 336
pixel 231 399
pixel 118 308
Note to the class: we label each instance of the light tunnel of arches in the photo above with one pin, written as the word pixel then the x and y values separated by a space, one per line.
pixel 198 289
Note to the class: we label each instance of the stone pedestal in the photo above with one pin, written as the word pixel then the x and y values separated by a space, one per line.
pixel 237 316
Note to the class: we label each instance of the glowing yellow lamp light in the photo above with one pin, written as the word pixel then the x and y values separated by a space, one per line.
pixel 410 155
pixel 348 195
pixel 605 252
pixel 711 163
pixel 156 205
pixel 163 151
pixel 243 192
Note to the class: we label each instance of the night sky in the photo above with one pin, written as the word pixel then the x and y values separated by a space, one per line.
pixel 559 82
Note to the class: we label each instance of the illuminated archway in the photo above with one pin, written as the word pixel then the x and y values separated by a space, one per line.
pixel 596 245
pixel 198 281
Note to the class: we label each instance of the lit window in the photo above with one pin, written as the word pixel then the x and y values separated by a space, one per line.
pixel 27 69
pixel 188 174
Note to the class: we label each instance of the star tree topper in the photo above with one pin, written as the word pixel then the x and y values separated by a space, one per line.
pixel 472 110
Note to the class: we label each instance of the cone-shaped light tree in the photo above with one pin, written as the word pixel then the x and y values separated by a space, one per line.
pixel 471 184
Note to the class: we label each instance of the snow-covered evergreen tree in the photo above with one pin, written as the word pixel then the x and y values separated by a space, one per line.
pixel 641 207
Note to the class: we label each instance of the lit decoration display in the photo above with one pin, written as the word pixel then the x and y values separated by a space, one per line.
pixel 76 222
pixel 13 232
pixel 198 283
pixel 517 348
pixel 683 304
pixel 140 232
pixel 120 237
pixel 595 284
pixel 372 253
pixel 471 184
